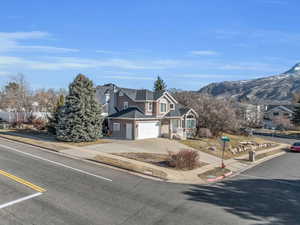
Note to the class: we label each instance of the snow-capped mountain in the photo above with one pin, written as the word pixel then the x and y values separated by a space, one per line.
pixel 272 89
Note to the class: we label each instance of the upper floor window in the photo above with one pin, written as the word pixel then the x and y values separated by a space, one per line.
pixel 150 105
pixel 125 105
pixel 172 106
pixel 275 113
pixel 163 107
pixel 121 93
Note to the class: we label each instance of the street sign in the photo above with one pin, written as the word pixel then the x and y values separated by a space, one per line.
pixel 225 139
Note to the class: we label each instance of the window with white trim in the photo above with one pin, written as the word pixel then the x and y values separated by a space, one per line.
pixel 172 106
pixel 163 107
pixel 125 105
pixel 190 123
pixel 121 93
pixel 150 106
pixel 116 126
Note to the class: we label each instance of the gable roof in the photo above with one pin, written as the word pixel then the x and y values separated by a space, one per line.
pixel 270 107
pixel 131 112
pixel 288 108
pixel 179 111
pixel 133 94
pixel 138 94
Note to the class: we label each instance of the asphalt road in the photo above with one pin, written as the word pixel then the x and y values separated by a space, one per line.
pixel 80 193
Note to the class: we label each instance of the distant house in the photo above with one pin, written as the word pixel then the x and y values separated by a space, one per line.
pixel 277 111
pixel 138 114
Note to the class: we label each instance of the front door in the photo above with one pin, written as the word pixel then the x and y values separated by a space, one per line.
pixel 129 131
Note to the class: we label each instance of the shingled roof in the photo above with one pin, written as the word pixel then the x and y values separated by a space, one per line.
pixel 134 94
pixel 179 111
pixel 130 113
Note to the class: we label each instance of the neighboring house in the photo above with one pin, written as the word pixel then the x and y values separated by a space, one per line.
pixel 277 111
pixel 138 114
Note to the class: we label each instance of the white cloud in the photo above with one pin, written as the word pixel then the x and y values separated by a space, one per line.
pixel 4 73
pixel 108 52
pixel 275 2
pixel 60 63
pixel 204 52
pixel 252 66
pixel 11 42
pixel 48 49
pixel 24 35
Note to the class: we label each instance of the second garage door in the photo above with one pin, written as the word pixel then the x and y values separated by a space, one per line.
pixel 148 130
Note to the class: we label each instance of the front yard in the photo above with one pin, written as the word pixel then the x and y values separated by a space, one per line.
pixel 214 146
pixel 42 136
pixel 153 158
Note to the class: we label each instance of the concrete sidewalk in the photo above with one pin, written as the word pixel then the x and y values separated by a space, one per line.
pixel 236 165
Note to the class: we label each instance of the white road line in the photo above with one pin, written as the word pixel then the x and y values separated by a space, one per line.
pixel 20 200
pixel 56 163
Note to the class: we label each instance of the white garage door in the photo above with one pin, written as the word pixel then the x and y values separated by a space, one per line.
pixel 148 129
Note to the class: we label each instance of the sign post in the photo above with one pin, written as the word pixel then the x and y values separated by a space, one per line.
pixel 224 139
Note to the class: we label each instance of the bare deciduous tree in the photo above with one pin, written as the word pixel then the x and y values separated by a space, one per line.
pixel 218 115
pixel 282 122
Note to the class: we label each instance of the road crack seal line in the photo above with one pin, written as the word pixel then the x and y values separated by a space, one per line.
pixel 22 181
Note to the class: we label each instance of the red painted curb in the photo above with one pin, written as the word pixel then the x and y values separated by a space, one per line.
pixel 220 177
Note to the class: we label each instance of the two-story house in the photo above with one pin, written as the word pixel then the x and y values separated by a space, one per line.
pixel 277 111
pixel 138 114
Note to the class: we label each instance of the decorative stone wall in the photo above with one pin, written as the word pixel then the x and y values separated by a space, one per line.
pixel 250 146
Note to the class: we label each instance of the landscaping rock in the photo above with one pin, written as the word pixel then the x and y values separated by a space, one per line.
pixel 212 148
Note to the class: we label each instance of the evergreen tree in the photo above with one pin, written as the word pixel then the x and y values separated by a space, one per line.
pixel 159 85
pixel 80 120
pixel 296 116
pixel 53 119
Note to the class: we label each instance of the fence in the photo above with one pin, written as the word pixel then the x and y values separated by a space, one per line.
pixel 12 117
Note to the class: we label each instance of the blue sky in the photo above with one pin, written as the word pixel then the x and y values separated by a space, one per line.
pixel 188 43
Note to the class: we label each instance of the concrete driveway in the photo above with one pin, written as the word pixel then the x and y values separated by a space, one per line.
pixel 155 145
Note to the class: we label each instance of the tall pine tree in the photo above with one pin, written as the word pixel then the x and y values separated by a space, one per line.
pixel 159 85
pixel 80 120
pixel 296 116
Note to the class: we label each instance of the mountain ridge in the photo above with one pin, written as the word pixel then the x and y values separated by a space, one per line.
pixel 277 89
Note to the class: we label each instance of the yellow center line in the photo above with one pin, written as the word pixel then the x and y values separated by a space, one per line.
pixel 22 181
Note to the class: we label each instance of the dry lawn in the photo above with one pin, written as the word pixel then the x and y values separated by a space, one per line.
pixel 152 158
pixel 204 144
pixel 42 136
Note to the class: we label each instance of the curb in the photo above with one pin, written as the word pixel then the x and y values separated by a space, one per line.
pixel 91 161
pixel 24 142
pixel 220 177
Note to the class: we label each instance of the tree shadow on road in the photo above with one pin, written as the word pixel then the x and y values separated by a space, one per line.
pixel 277 200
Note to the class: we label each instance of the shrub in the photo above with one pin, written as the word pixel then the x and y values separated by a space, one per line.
pixel 39 124
pixel 17 124
pixel 184 159
pixel 30 119
pixel 205 133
